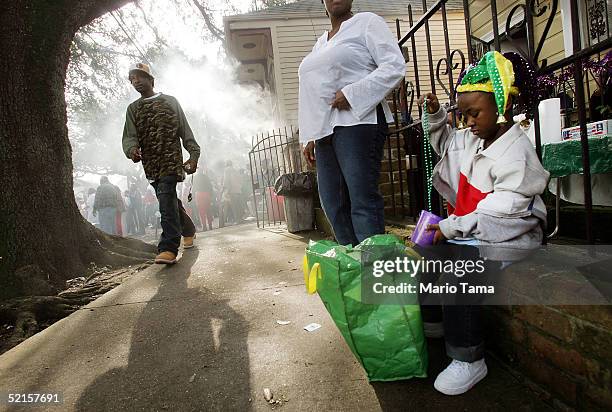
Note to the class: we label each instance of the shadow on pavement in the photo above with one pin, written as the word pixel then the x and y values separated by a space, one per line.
pixel 188 352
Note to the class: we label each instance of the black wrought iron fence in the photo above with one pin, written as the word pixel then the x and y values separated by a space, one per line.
pixel 272 155
pixel 405 170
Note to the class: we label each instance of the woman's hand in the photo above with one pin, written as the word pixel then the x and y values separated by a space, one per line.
pixel 433 105
pixel 439 236
pixel 340 102
pixel 309 153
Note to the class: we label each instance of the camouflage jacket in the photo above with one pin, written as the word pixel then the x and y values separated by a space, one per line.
pixel 106 196
pixel 156 125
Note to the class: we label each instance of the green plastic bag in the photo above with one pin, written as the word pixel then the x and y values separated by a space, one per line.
pixel 387 340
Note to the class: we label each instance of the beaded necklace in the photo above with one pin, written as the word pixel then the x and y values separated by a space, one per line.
pixel 427 153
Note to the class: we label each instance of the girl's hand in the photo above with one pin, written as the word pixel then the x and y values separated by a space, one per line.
pixel 433 105
pixel 439 236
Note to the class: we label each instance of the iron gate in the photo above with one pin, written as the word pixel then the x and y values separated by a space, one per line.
pixel 272 155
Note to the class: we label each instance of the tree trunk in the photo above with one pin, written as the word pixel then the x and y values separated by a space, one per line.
pixel 42 233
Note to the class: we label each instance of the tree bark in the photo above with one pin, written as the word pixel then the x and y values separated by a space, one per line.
pixel 41 228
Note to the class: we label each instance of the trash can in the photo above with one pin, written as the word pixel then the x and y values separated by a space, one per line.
pixel 298 191
pixel 274 206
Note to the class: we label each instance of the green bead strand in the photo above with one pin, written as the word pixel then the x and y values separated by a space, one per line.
pixel 427 153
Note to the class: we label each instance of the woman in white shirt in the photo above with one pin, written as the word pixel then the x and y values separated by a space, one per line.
pixel 343 116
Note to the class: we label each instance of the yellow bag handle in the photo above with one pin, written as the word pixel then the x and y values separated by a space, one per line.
pixel 315 273
pixel 305 270
pixel 310 276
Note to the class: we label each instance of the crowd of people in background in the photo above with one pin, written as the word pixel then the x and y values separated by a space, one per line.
pixel 218 199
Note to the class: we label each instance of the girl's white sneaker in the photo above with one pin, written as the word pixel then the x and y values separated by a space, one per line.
pixel 459 377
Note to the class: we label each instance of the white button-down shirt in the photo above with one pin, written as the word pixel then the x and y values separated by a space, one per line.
pixel 364 61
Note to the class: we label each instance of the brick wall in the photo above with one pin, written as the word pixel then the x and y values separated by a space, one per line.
pixel 389 183
pixel 564 350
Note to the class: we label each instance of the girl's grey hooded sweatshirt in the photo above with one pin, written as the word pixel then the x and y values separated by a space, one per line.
pixel 494 193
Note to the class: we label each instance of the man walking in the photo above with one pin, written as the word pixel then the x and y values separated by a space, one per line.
pixel 232 188
pixel 154 127
pixel 106 204
pixel 119 212
pixel 135 216
pixel 204 194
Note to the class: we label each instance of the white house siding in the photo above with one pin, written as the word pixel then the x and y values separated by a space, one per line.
pixel 481 22
pixel 294 39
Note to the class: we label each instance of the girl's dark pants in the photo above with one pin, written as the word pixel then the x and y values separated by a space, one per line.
pixel 462 316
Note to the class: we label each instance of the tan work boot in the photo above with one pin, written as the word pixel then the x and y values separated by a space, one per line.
pixel 188 242
pixel 166 257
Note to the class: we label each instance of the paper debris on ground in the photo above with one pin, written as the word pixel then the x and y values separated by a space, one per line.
pixel 283 322
pixel 312 327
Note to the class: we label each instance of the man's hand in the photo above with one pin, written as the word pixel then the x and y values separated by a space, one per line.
pixel 433 105
pixel 340 102
pixel 190 166
pixel 439 236
pixel 135 155
pixel 309 153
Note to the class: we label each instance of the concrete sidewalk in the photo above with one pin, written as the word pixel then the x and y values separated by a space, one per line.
pixel 202 335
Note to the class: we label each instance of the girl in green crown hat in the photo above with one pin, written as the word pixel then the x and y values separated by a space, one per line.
pixel 492 179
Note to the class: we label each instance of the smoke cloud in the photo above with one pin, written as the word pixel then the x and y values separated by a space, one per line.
pixel 223 114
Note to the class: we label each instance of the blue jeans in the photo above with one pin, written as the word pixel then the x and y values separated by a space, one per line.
pixel 107 216
pixel 348 169
pixel 463 323
pixel 174 219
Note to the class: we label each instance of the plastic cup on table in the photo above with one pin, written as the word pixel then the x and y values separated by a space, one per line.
pixel 421 236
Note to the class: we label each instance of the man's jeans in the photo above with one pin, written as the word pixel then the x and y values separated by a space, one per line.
pixel 106 217
pixel 348 169
pixel 174 219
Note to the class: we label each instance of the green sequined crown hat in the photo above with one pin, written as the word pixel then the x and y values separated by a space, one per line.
pixel 493 74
